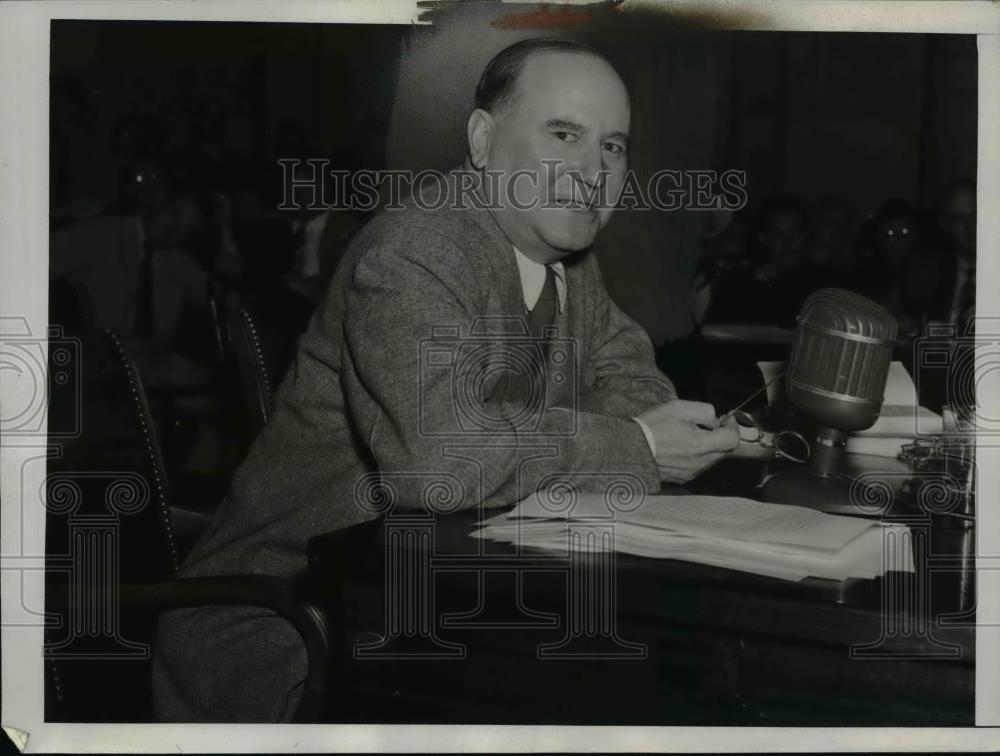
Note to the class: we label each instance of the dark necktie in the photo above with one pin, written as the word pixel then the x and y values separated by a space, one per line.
pixel 527 386
pixel 544 312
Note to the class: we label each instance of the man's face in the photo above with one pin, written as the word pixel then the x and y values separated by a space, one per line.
pixel 896 237
pixel 560 148
pixel 784 238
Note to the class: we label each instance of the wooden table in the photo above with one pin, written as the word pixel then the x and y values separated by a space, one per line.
pixel 485 633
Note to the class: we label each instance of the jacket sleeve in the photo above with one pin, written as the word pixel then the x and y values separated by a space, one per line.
pixel 408 406
pixel 620 376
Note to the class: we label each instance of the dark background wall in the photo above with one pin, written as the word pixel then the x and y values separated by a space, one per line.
pixel 261 90
pixel 864 115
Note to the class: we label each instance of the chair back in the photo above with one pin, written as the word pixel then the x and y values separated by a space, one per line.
pixel 114 462
pixel 107 524
pixel 245 344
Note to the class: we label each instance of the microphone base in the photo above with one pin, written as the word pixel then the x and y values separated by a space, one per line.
pixel 828 449
pixel 837 494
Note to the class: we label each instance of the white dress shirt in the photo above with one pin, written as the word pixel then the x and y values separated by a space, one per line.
pixel 532 280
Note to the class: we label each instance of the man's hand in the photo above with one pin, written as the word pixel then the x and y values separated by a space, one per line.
pixel 689 438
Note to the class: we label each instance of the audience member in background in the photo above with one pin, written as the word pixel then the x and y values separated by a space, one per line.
pixel 137 140
pixel 724 254
pixel 902 268
pixel 769 291
pixel 950 270
pixel 173 329
pixel 304 277
pixel 103 254
pixel 280 270
pixel 225 260
pixel 884 241
pixel 958 221
pixel 830 249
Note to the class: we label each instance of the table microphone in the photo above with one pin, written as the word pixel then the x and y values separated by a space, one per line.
pixel 838 367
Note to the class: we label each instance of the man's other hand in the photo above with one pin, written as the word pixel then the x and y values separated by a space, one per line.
pixel 689 438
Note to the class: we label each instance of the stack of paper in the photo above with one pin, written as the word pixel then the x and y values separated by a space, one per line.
pixel 776 540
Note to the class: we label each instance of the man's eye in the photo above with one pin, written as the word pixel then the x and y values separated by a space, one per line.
pixel 614 149
pixel 566 136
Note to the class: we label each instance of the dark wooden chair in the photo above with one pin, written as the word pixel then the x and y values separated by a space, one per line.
pixel 114 540
pixel 111 682
pixel 245 344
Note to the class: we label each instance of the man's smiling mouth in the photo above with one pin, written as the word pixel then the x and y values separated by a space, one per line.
pixel 575 205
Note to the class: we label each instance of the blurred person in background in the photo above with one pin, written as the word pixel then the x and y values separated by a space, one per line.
pixel 771 288
pixel 830 249
pixel 104 253
pixel 957 219
pixel 884 242
pixel 724 254
pixel 173 336
pixel 951 271
pixel 902 268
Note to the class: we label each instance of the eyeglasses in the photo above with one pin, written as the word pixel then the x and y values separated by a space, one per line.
pixel 787 444
pixel 934 454
pixel 921 452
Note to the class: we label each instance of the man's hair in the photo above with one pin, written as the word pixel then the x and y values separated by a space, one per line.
pixel 497 86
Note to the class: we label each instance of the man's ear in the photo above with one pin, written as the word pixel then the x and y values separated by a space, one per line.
pixel 480 129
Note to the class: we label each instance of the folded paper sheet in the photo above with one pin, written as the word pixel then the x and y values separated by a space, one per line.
pixel 776 540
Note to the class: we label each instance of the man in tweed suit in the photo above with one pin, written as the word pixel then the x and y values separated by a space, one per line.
pixel 362 396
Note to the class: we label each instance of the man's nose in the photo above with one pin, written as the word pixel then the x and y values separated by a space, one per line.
pixel 590 170
pixel 594 173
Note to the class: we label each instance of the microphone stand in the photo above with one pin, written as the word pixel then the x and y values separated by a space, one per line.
pixel 828 451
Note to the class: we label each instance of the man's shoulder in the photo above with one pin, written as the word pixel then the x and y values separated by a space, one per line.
pixel 586 268
pixel 428 230
pixel 409 222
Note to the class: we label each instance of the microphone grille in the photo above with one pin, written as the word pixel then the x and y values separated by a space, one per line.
pixel 841 353
pixel 847 312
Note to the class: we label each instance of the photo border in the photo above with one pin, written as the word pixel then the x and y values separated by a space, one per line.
pixel 24 225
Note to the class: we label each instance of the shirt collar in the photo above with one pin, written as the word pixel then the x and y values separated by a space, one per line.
pixel 533 279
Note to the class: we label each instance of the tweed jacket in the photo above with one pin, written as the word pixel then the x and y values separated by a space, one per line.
pixel 399 396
